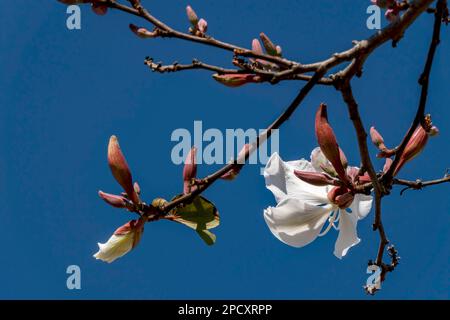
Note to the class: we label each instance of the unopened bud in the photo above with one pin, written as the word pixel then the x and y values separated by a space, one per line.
pixel 120 170
pixel 192 16
pixel 189 170
pixel 142 32
pixel 328 143
pixel 387 165
pixel 137 188
pixel 315 178
pixel 414 146
pixel 113 200
pixel 271 49
pixel 234 80
pixel 256 47
pixel 341 196
pixel 377 139
pixel 202 26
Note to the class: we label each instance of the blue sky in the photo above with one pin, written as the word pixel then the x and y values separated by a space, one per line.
pixel 63 93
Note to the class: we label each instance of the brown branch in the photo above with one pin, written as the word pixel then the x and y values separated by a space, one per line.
pixel 367 165
pixel 361 49
pixel 419 184
pixel 424 83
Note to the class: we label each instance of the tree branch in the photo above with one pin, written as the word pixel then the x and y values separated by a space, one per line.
pixel 424 83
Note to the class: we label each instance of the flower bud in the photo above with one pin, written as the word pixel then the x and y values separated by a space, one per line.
pixel 328 143
pixel 192 16
pixel 99 8
pixel 387 165
pixel 142 32
pixel 137 188
pixel 345 200
pixel 256 47
pixel 377 139
pixel 271 49
pixel 120 170
pixel 341 196
pixel 414 146
pixel 315 178
pixel 122 241
pixel 202 26
pixel 234 80
pixel 113 200
pixel 365 178
pixel 189 170
pixel 279 51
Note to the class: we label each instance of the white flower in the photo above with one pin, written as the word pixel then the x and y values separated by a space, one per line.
pixel 121 242
pixel 303 209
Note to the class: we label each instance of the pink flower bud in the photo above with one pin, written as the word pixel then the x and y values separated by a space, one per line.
pixel 120 170
pixel 192 16
pixel 99 8
pixel 271 49
pixel 377 139
pixel 202 26
pixel 142 32
pixel 328 143
pixel 315 178
pixel 345 200
pixel 236 79
pixel 387 165
pixel 189 170
pixel 113 200
pixel 256 47
pixel 341 196
pixel 279 51
pixel 414 146
pixel 137 188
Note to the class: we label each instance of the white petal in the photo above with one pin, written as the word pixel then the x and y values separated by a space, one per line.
pixel 295 222
pixel 280 179
pixel 348 236
pixel 115 247
pixel 361 205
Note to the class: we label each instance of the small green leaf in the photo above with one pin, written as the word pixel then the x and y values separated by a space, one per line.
pixel 200 214
pixel 207 236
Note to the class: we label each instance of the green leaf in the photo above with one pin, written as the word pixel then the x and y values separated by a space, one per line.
pixel 207 236
pixel 201 214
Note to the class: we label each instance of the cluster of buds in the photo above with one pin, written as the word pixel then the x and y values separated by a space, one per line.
pixel 98 6
pixel 331 165
pixel 413 148
pixel 270 48
pixel 126 237
pixel 392 7
pixel 198 26
pixel 119 167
